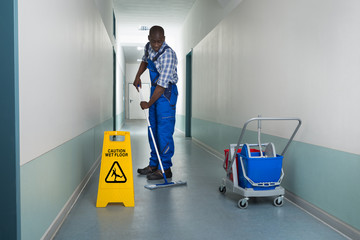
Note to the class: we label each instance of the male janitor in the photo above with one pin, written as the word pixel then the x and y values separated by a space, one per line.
pixel 161 61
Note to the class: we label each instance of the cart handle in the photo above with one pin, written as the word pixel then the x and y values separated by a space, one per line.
pixel 266 119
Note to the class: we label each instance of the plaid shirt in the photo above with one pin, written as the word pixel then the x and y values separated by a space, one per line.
pixel 166 65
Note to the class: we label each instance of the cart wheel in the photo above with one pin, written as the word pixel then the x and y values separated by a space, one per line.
pixel 278 202
pixel 243 203
pixel 222 189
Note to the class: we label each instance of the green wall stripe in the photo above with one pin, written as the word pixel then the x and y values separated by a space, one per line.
pixel 324 177
pixel 48 181
pixel 120 120
pixel 180 122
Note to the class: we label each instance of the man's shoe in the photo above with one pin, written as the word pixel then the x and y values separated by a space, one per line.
pixel 157 175
pixel 147 170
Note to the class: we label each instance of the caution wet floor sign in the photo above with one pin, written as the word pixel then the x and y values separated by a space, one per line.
pixel 116 178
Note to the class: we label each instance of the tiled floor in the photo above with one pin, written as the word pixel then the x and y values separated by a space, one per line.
pixel 195 211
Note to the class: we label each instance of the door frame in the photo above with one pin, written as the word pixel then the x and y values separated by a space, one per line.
pixel 188 97
pixel 114 89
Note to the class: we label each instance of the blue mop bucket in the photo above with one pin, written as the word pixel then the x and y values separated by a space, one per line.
pixel 259 169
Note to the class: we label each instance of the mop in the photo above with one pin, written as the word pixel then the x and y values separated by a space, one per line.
pixel 166 183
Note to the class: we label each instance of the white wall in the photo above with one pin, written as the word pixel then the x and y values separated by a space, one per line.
pixel 202 18
pixel 105 8
pixel 65 73
pixel 284 58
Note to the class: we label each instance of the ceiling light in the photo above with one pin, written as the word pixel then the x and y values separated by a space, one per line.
pixel 143 28
pixel 140 48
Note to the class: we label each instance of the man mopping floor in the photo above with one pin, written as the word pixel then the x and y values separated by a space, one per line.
pixel 161 61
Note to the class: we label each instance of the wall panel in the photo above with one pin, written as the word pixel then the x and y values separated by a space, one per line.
pixel 288 59
pixel 65 61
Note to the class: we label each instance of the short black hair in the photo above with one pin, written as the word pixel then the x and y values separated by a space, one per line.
pixel 156 29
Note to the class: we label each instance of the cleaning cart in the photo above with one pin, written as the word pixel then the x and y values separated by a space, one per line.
pixel 252 171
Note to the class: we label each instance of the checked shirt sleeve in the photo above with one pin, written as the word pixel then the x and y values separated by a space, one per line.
pixel 144 58
pixel 167 69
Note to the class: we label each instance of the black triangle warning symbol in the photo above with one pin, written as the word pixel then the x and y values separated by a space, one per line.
pixel 116 174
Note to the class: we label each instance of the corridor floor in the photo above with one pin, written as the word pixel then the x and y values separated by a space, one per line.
pixel 195 211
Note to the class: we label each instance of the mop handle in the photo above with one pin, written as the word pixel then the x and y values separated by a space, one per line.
pixel 152 136
pixel 259 135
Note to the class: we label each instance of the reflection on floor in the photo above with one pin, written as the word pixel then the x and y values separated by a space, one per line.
pixel 195 211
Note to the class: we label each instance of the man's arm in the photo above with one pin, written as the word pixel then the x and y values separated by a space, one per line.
pixel 137 81
pixel 157 93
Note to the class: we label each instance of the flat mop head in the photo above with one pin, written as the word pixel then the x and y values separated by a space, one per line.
pixel 164 185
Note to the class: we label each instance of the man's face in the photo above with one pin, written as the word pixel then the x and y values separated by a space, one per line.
pixel 156 40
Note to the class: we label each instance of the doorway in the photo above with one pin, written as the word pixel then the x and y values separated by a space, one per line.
pixel 135 112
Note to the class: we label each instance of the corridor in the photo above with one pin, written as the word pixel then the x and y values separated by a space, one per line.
pixel 67 76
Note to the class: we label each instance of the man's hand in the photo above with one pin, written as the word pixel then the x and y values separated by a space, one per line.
pixel 137 83
pixel 144 105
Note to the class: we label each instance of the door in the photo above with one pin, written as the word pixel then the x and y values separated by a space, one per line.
pixel 188 94
pixel 135 111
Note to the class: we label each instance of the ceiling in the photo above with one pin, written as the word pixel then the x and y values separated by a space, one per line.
pixel 131 14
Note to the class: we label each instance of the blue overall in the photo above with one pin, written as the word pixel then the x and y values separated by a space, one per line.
pixel 162 119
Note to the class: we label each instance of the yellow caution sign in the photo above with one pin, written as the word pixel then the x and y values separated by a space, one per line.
pixel 116 178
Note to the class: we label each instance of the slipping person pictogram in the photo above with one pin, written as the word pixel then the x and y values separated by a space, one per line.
pixel 115 174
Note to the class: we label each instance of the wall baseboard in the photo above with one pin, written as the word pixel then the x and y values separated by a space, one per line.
pixel 209 149
pixel 323 216
pixel 58 221
pixel 316 212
